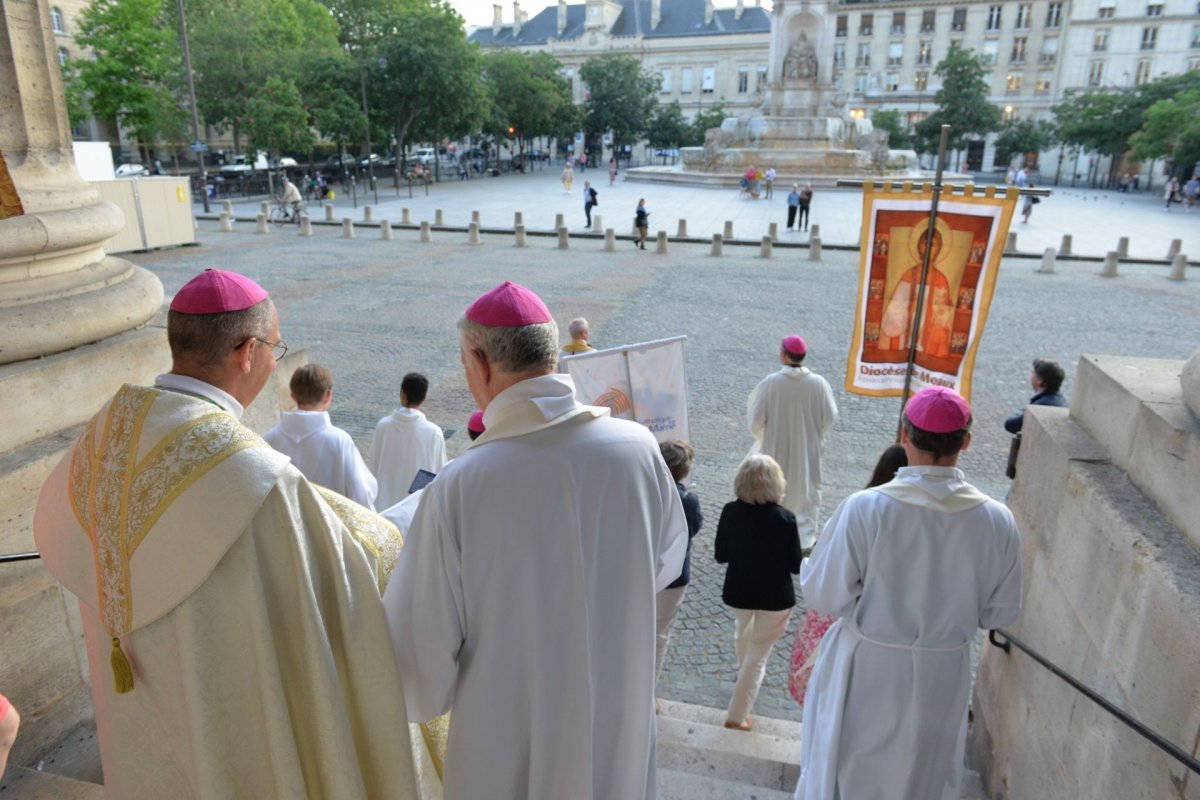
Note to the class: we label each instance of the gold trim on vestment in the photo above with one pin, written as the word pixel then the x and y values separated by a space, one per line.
pixel 436 734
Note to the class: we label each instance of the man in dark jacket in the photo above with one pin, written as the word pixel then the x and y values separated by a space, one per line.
pixel 1046 379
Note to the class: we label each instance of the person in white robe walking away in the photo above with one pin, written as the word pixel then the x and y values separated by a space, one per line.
pixel 790 412
pixel 405 442
pixel 523 601
pixel 911 568
pixel 325 454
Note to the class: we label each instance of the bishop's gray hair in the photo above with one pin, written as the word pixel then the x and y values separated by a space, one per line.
pixel 577 327
pixel 515 350
pixel 206 339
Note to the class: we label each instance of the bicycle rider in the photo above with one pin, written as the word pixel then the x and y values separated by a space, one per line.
pixel 291 197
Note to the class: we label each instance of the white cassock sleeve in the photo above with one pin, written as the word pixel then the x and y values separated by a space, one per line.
pixel 1004 604
pixel 425 613
pixel 829 410
pixel 672 545
pixel 361 486
pixel 831 579
pixel 756 411
pixel 439 454
pixel 373 454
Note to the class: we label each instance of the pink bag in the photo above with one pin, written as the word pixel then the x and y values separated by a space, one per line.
pixel 804 651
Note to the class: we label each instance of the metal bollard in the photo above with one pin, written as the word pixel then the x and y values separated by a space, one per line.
pixel 1011 245
pixel 682 232
pixel 227 207
pixel 717 241
pixel 1178 267
pixel 475 217
pixel 1065 247
pixel 519 230
pixel 1047 267
pixel 1110 265
pixel 405 217
pixel 814 248
pixel 385 230
pixel 728 229
pixel 473 233
pixel 426 236
pixel 773 230
pixel 348 228
pixel 261 227
pixel 660 245
pixel 518 219
pixel 610 240
pixel 438 218
pixel 558 221
pixel 765 250
pixel 264 208
pixel 814 232
pixel 226 223
pixel 564 239
pixel 1123 247
pixel 305 225
pixel 1173 250
pixel 597 222
pixel 329 214
pixel 368 214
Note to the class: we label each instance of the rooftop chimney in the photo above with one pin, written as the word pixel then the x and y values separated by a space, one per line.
pixel 708 12
pixel 562 16
pixel 655 13
pixel 741 8
pixel 496 20
pixel 516 18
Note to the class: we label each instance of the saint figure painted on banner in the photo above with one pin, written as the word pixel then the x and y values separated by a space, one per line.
pixel 937 310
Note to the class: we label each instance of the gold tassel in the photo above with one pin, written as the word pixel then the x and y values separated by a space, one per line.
pixel 122 671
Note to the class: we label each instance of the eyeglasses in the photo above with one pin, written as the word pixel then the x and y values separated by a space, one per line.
pixel 279 347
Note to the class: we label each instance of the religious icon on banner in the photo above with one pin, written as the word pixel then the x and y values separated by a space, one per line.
pixel 964 256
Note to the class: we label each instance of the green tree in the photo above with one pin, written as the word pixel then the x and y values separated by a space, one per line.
pixel 276 120
pixel 621 98
pixel 961 103
pixel 331 95
pixel 529 95
pixel 667 127
pixel 898 136
pixel 136 60
pixel 710 117
pixel 1022 136
pixel 1172 130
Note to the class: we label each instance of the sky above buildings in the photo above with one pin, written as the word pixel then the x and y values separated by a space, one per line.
pixel 479 12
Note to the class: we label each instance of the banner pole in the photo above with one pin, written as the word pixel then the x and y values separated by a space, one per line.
pixel 929 234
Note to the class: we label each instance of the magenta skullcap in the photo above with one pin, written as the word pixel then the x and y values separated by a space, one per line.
pixel 509 306
pixel 216 291
pixel 795 344
pixel 938 410
pixel 475 423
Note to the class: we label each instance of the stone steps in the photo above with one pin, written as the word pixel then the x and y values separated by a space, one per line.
pixel 28 784
pixel 675 785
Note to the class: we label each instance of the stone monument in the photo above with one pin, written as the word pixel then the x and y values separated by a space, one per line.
pixel 801 127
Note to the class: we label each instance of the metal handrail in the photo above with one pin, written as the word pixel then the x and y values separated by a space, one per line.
pixel 1155 738
pixel 6 558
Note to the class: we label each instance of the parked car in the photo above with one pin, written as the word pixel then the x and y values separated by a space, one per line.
pixel 287 162
pixel 336 162
pixel 130 170
pixel 245 163
pixel 376 160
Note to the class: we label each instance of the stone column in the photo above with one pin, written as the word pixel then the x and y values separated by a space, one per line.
pixel 57 287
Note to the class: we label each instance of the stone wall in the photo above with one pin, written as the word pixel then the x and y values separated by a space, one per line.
pixel 1105 497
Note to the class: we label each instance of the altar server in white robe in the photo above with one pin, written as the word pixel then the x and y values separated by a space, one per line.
pixel 404 442
pixel 790 412
pixel 235 636
pixel 525 597
pixel 912 568
pixel 325 454
pixel 402 513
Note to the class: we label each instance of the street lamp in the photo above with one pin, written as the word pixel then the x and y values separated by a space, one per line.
pixel 197 145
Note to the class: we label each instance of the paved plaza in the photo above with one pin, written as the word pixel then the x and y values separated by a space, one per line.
pixel 372 310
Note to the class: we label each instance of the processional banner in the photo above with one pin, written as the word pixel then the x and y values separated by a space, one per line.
pixel 968 241
pixel 646 383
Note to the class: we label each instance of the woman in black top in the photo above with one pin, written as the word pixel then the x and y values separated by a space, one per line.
pixel 759 541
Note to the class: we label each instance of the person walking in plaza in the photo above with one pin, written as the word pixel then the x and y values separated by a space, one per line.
pixel 1171 193
pixel 1027 208
pixel 582 161
pixel 1046 379
pixel 912 569
pixel 235 640
pixel 806 196
pixel 324 453
pixel 641 224
pixel 549 668
pixel 612 171
pixel 589 201
pixel 405 442
pixel 568 176
pixel 679 457
pixel 789 413
pixel 758 540
pixel 793 205
pixel 1191 191
pixel 769 182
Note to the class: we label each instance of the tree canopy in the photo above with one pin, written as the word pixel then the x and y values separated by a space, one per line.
pixel 528 95
pixel 1021 136
pixel 962 103
pixel 621 97
pixel 1172 129
pixel 898 136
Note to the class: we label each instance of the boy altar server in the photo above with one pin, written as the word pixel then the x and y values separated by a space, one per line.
pixel 524 597
pixel 912 568
pixel 405 442
pixel 326 455
pixel 235 640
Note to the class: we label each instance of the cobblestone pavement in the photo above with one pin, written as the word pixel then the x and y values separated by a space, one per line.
pixel 373 310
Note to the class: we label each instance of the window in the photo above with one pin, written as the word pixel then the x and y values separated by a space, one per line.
pixel 1154 10
pixel 864 55
pixel 990 50
pixel 665 87
pixel 1024 12
pixel 915 118
pixel 928 20
pixel 860 83
pixel 1018 50
pixel 921 81
pixel 1100 40
pixel 1010 113
pixel 1013 84
pixel 56 20
pixel 993 20
pixel 569 75
pixel 858 113
pixel 64 56
pixel 743 79
pixel 1193 63
pixel 1049 51
pixel 898 23
pixel 760 78
pixel 839 55
pixel 841 25
pixel 959 21
pixel 1149 38
pixel 866 24
pixel 895 54
pixel 1054 15
pixel 685 80
pixel 1042 87
pixel 1143 72
pixel 1105 12
pixel 925 53
pixel 1095 73
pixel 955 44
pixel 893 81
pixel 1195 37
pixel 708 80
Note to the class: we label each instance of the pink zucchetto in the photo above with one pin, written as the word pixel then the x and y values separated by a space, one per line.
pixel 509 306
pixel 938 410
pixel 475 423
pixel 216 291
pixel 795 344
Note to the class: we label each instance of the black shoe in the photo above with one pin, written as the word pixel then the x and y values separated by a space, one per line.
pixel 643 247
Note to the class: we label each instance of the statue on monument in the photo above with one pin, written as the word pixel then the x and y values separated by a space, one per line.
pixel 801 60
